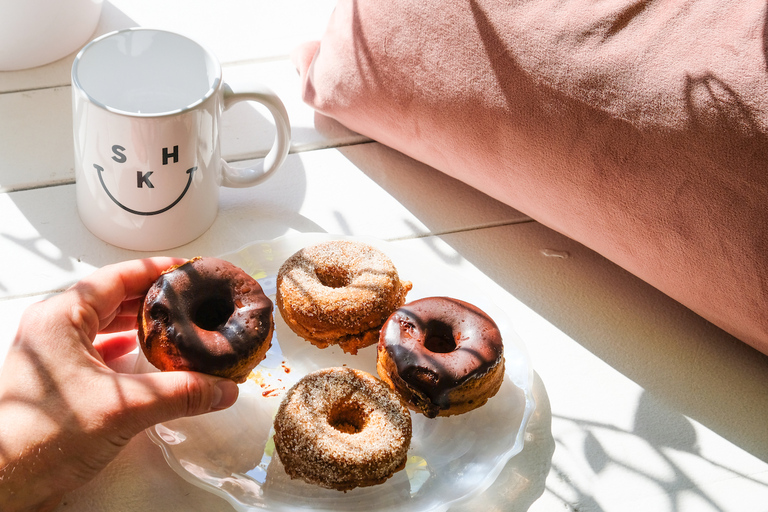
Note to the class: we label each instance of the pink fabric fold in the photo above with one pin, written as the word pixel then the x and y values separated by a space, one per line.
pixel 636 127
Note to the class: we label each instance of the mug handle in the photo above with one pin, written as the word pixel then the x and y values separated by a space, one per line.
pixel 245 177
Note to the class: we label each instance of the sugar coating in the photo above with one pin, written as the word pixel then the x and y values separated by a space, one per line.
pixel 342 428
pixel 339 292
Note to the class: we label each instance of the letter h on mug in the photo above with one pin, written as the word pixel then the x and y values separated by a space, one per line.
pixel 147 108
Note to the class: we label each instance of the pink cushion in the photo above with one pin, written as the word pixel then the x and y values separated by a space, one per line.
pixel 639 129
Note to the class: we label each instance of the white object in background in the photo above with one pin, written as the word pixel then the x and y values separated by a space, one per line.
pixel 147 108
pixel 36 32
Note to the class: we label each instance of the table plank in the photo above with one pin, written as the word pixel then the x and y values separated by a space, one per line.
pixel 36 147
pixel 45 246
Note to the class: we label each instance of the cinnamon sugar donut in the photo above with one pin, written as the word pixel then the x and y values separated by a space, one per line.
pixel 342 428
pixel 206 315
pixel 339 292
pixel 442 355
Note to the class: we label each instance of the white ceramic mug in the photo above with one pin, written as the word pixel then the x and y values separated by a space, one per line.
pixel 147 108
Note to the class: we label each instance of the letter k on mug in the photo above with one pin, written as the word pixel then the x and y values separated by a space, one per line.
pixel 147 108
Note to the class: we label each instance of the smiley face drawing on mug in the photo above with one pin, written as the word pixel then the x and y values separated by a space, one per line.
pixel 144 183
pixel 147 107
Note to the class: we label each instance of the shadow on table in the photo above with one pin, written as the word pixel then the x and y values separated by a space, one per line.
pixel 665 434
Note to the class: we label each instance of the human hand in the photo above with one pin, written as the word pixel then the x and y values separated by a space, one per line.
pixel 64 414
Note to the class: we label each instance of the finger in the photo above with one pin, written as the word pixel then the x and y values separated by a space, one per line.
pixel 120 324
pixel 113 345
pixel 152 398
pixel 106 289
pixel 125 318
pixel 129 307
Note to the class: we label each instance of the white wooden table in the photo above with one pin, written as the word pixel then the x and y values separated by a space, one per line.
pixel 642 405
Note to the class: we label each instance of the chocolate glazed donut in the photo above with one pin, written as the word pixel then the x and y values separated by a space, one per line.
pixel 443 356
pixel 206 315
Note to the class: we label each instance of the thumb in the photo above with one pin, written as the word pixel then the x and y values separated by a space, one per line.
pixel 164 396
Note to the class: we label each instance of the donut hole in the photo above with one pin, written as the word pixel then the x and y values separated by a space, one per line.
pixel 439 338
pixel 348 416
pixel 213 312
pixel 333 277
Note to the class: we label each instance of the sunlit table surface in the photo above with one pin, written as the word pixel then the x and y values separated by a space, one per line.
pixel 641 404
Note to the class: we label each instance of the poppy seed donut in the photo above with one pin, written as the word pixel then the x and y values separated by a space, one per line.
pixel 342 428
pixel 339 293
pixel 206 315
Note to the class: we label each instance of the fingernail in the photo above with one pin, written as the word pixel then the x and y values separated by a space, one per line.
pixel 224 394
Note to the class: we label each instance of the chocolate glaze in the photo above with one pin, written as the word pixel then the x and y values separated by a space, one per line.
pixel 437 344
pixel 209 315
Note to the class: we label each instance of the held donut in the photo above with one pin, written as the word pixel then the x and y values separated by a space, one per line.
pixel 443 356
pixel 206 315
pixel 339 292
pixel 342 428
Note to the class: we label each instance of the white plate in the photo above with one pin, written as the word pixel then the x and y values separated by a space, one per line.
pixel 230 453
